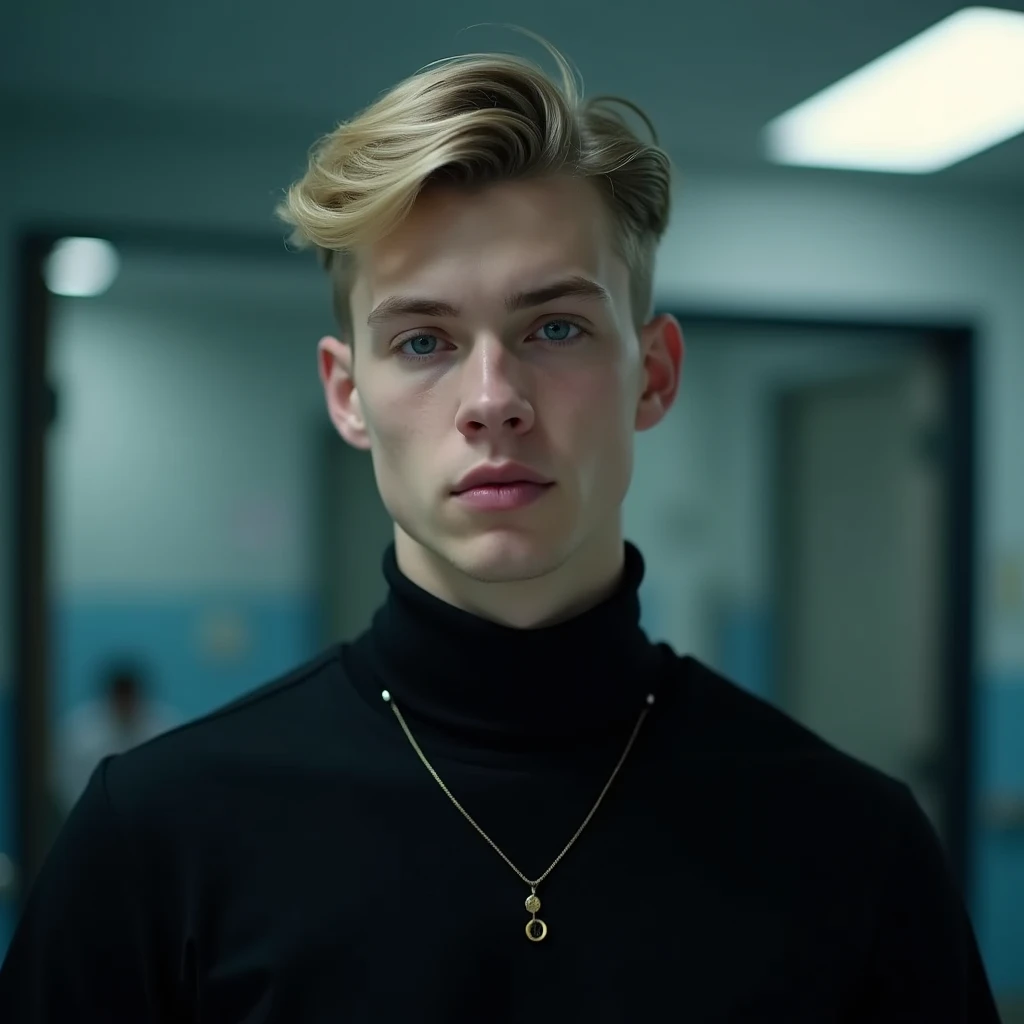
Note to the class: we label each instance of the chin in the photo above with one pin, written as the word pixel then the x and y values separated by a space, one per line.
pixel 504 556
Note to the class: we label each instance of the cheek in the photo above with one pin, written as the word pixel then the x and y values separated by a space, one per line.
pixel 399 427
pixel 596 410
pixel 392 417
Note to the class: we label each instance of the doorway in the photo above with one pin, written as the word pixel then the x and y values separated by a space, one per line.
pixel 813 538
pixel 167 431
pixel 861 596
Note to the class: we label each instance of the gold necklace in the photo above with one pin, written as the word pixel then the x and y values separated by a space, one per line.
pixel 536 929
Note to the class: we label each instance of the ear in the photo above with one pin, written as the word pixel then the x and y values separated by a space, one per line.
pixel 661 346
pixel 334 359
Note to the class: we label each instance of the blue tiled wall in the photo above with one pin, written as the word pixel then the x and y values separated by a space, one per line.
pixel 999 854
pixel 167 635
pixel 6 801
pixel 745 649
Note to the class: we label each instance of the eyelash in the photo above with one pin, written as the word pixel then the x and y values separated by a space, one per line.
pixel 583 332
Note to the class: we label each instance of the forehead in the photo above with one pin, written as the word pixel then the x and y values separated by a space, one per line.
pixel 462 245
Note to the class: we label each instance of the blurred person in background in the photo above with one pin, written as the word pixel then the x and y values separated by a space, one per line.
pixel 502 802
pixel 123 715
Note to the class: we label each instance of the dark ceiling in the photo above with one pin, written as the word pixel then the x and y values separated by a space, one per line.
pixel 710 74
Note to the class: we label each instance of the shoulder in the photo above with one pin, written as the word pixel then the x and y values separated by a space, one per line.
pixel 762 750
pixel 280 719
pixel 756 779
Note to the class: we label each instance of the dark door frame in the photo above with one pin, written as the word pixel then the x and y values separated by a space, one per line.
pixel 956 347
pixel 35 405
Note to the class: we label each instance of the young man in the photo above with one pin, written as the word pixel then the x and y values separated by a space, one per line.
pixel 502 802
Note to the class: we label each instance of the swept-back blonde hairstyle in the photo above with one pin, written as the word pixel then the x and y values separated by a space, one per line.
pixel 475 120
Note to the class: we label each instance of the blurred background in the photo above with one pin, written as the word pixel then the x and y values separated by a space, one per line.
pixel 833 514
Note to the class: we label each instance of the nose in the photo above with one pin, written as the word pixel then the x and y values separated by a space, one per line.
pixel 494 398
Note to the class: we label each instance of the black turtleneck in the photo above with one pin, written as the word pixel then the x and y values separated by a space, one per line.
pixel 498 688
pixel 289 860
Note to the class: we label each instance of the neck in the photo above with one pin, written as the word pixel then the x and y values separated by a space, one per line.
pixel 563 589
pixel 492 686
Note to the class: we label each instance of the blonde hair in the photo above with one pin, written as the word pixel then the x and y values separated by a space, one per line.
pixel 475 120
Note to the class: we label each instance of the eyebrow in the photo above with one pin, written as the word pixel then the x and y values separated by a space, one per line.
pixel 400 305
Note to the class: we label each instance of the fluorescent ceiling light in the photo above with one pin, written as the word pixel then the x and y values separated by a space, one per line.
pixel 952 91
pixel 81 267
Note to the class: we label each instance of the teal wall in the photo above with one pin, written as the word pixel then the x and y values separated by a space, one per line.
pixel 168 635
pixel 6 801
pixel 999 854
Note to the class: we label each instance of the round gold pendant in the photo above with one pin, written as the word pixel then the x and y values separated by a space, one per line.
pixel 536 930
pixel 532 904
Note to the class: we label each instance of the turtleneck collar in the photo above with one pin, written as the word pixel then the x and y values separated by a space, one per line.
pixel 496 685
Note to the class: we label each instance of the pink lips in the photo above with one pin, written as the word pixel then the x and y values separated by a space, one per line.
pixel 502 497
pixel 501 487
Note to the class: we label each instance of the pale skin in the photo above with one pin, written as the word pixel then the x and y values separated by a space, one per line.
pixel 486 370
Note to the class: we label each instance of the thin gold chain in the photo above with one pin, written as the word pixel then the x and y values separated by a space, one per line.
pixel 533 883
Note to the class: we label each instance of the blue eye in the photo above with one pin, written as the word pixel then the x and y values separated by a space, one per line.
pixel 421 345
pixel 560 331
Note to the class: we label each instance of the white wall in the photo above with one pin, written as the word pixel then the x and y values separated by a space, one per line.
pixel 186 444
pixel 183 471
